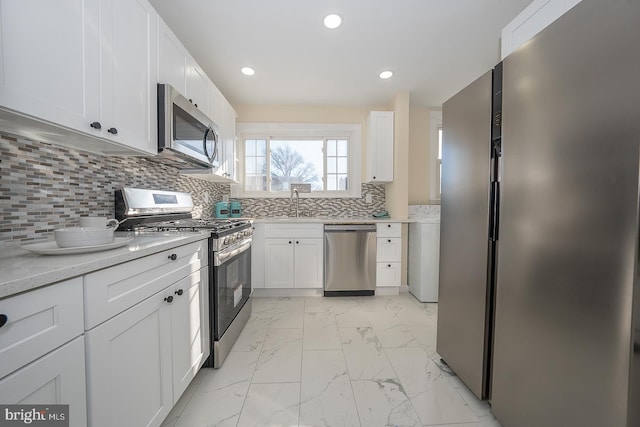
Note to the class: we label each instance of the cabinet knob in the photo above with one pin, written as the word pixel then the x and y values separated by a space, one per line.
pixel 3 320
pixel 169 299
pixel 389 240
pixel 179 292
pixel 191 101
pixel 96 125
pixel 173 257
pixel 388 265
pixel 297 242
pixel 195 105
pixel 289 241
pixel 113 131
pixel 389 225
pixel 374 177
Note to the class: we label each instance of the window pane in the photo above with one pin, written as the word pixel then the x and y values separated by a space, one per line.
pixel 255 182
pixel 342 182
pixel 331 165
pixel 343 148
pixel 261 147
pixel 343 165
pixel 331 147
pixel 332 182
pixel 440 143
pixel 250 147
pixel 296 161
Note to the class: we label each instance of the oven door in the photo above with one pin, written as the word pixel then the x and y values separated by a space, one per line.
pixel 231 285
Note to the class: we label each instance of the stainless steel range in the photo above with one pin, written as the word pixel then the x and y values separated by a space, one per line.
pixel 229 256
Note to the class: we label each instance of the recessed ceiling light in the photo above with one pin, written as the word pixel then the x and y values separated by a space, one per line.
pixel 386 74
pixel 248 71
pixel 332 21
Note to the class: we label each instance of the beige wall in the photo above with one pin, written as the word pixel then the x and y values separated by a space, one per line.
pixel 419 140
pixel 398 190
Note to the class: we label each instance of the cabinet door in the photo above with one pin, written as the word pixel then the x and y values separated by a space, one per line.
pixel 380 147
pixel 388 274
pixel 56 378
pixel 129 73
pixel 187 330
pixel 389 249
pixel 257 256
pixel 129 366
pixel 49 60
pixel 278 269
pixel 308 264
pixel 172 59
pixel 229 141
pixel 197 86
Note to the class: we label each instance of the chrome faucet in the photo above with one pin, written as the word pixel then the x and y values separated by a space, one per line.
pixel 295 191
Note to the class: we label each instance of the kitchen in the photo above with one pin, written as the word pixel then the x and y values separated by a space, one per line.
pixel 50 186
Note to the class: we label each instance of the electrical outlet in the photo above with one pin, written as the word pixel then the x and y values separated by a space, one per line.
pixel 225 198
pixel 367 198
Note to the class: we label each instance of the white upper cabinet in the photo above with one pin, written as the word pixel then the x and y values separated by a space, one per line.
pixel 80 66
pixel 536 17
pixel 128 84
pixel 49 61
pixel 172 59
pixel 197 86
pixel 380 147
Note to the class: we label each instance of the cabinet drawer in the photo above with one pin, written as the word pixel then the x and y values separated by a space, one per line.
pixel 38 322
pixel 293 230
pixel 114 289
pixel 389 229
pixel 389 249
pixel 388 274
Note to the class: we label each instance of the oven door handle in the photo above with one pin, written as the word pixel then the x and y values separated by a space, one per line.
pixel 225 255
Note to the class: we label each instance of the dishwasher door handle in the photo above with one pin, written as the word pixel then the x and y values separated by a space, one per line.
pixel 346 228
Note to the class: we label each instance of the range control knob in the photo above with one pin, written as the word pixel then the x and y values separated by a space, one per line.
pixel 225 241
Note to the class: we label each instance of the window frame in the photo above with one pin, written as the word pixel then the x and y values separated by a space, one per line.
pixel 435 164
pixel 302 131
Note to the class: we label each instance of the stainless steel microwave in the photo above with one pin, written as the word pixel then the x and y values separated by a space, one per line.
pixel 186 134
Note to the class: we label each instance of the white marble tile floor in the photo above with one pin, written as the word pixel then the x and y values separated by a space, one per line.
pixel 331 362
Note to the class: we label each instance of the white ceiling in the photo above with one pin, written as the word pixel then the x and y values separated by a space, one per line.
pixel 434 47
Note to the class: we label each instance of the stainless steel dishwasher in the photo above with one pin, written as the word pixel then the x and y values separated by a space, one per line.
pixel 349 259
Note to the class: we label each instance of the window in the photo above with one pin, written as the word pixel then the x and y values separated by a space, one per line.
pixel 435 166
pixel 274 156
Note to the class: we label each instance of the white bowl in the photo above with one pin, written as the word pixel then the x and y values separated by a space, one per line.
pixel 83 236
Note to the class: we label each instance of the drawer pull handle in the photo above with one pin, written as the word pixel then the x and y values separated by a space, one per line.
pixel 173 257
pixel 388 265
pixel 289 241
pixel 3 320
pixel 297 242
pixel 96 125
pixel 389 240
pixel 169 299
pixel 179 292
pixel 389 225
pixel 113 131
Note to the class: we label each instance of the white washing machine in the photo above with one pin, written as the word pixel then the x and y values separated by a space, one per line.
pixel 424 253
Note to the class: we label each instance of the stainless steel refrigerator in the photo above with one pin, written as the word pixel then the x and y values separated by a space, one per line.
pixel 539 292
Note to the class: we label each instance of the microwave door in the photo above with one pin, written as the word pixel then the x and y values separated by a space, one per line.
pixel 211 144
pixel 189 135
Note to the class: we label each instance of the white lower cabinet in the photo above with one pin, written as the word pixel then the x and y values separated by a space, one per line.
pixel 389 254
pixel 293 256
pixel 141 359
pixel 129 366
pixel 56 378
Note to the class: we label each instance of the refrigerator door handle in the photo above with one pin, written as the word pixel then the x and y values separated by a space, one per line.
pixel 494 211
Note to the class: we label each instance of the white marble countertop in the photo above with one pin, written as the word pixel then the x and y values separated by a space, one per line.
pixel 23 270
pixel 327 220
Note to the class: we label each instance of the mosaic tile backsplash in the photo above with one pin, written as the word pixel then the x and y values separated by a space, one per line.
pixel 44 187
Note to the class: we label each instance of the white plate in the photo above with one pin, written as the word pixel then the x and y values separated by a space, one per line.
pixel 50 248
